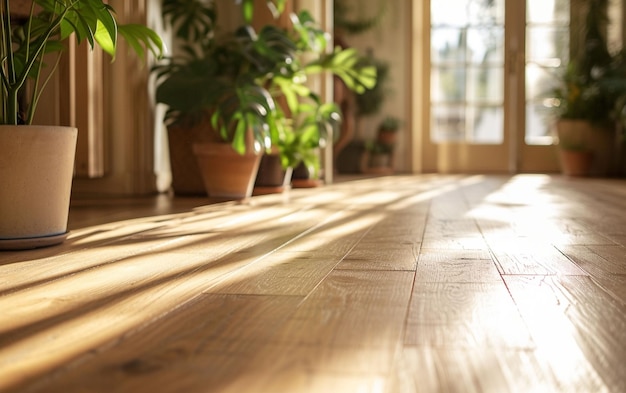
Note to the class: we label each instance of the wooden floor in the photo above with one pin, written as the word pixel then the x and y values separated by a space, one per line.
pixel 397 284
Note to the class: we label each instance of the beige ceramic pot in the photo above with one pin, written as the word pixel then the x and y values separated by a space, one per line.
pixel 36 169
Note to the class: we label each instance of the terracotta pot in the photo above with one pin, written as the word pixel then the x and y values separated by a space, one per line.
pixel 36 168
pixel 379 160
pixel 301 178
pixel 226 173
pixel 272 178
pixel 387 137
pixel 186 176
pixel 581 135
pixel 575 162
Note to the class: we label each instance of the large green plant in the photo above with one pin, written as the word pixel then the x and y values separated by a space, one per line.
pixel 238 77
pixel 49 23
pixel 226 80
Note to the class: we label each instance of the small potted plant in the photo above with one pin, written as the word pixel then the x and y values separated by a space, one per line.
pixel 377 158
pixel 388 130
pixel 582 102
pixel 310 121
pixel 311 124
pixel 36 162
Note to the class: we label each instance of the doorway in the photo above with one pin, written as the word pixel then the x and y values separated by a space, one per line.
pixel 491 63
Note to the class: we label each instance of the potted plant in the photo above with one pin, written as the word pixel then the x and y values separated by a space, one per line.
pixel 583 102
pixel 378 154
pixel 309 121
pixel 388 130
pixel 218 87
pixel 36 162
pixel 583 121
pixel 311 124
pixel 378 158
pixel 249 82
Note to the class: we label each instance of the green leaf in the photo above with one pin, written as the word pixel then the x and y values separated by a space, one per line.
pixel 247 8
pixel 140 38
pixel 104 39
pixel 239 138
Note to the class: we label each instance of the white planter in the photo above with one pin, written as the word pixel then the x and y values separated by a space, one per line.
pixel 36 169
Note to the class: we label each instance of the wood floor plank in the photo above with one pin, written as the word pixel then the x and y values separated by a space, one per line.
pixel 457 270
pixel 457 227
pixel 604 340
pixel 464 315
pixel 281 273
pixel 476 242
pixel 353 308
pixel 558 322
pixel 527 256
pixel 604 264
pixel 208 343
pixel 428 369
pixel 381 256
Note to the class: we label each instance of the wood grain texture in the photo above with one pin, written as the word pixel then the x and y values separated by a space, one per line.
pixel 430 283
pixel 465 315
pixel 208 343
pixel 431 369
pixel 350 301
pixel 546 307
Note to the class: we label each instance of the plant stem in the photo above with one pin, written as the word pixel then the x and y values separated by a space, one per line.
pixel 11 104
pixel 39 90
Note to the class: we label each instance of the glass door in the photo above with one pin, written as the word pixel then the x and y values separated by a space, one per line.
pixel 467 86
pixel 491 63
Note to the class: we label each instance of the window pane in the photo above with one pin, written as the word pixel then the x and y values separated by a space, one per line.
pixel 540 81
pixel 447 123
pixel 466 12
pixel 449 12
pixel 547 43
pixel 547 11
pixel 467 76
pixel 447 84
pixel 486 45
pixel 447 45
pixel 485 85
pixel 485 123
pixel 487 12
